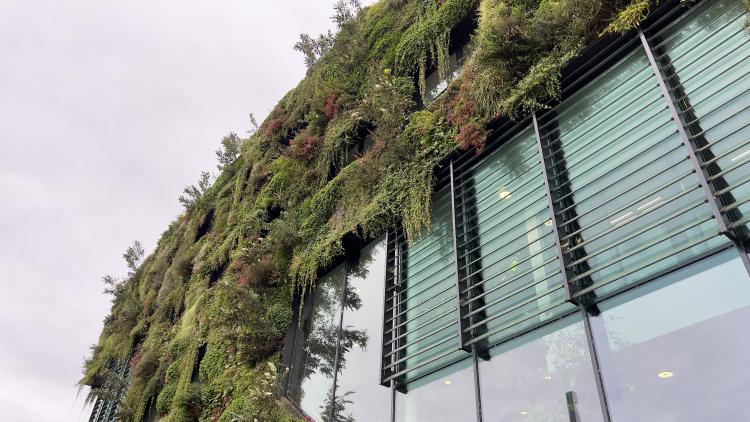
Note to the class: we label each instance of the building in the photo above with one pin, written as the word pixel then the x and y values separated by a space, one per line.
pixel 591 265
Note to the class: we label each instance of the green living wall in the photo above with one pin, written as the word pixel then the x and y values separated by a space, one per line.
pixel 201 321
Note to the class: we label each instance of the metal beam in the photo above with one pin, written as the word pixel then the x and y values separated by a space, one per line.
pixel 553 211
pixel 680 123
pixel 462 335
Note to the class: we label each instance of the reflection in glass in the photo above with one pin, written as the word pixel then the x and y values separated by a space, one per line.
pixel 311 377
pixel 514 267
pixel 359 395
pixel 445 396
pixel 543 376
pixel 677 349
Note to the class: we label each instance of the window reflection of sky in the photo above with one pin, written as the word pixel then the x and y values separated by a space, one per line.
pixel 693 332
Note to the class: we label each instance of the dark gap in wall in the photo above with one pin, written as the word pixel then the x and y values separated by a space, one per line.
pixel 195 376
pixel 205 226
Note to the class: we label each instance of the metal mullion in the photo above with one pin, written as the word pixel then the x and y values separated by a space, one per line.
pixel 508 242
pixel 514 278
pixel 624 207
pixel 743 252
pixel 539 253
pixel 684 16
pixel 642 248
pixel 668 96
pixel 626 163
pixel 518 321
pixel 604 122
pixel 383 346
pixel 596 365
pixel 553 215
pixel 659 258
pixel 462 337
pixel 515 293
pixel 655 224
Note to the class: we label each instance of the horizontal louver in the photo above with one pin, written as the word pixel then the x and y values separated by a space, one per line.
pixel 627 198
pixel 708 69
pixel 421 317
pixel 506 249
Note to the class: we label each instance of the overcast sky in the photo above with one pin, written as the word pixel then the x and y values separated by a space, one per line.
pixel 108 108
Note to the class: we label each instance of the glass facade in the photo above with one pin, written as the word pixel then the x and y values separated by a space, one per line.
pixel 591 266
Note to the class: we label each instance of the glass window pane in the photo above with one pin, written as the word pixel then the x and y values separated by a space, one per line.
pixel 630 202
pixel 446 396
pixel 676 349
pixel 709 64
pixel 359 395
pixel 545 375
pixel 429 314
pixel 508 253
pixel 311 374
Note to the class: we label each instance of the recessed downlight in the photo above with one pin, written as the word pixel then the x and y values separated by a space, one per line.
pixel 503 194
pixel 665 374
pixel 524 413
pixel 447 382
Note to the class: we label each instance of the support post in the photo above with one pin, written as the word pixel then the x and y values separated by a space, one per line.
pixel 694 159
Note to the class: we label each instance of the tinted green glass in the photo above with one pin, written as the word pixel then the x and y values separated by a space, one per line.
pixel 429 313
pixel 511 257
pixel 632 204
pixel 710 57
pixel 446 395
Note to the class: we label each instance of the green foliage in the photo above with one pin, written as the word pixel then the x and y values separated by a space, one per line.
pixel 201 321
pixel 630 17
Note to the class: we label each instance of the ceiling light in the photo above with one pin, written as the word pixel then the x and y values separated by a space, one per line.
pixel 548 377
pixel 548 223
pixel 651 204
pixel 524 413
pixel 665 374
pixel 622 219
pixel 447 382
pixel 503 194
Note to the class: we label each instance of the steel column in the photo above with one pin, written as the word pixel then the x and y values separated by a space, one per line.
pixel 694 160
pixel 552 209
pixel 462 335
pixel 600 389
